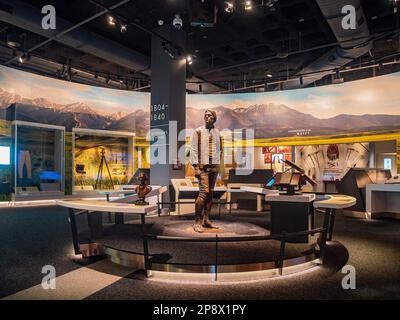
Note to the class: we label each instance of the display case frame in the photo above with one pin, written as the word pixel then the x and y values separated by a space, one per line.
pixel 34 192
pixel 131 136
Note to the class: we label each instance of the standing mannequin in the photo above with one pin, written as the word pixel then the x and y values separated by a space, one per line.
pixel 205 157
pixel 24 158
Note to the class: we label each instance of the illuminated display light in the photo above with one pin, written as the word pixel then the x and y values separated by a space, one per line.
pixel 4 155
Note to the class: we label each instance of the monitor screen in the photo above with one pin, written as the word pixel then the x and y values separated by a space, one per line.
pixel 50 175
pixel 4 155
pixel 271 182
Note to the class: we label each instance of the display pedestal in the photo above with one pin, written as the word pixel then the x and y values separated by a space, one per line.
pixel 291 214
pixel 383 201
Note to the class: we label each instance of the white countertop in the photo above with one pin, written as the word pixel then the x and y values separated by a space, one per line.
pixel 156 190
pixel 104 206
pixel 391 187
pixel 191 189
pixel 259 190
pixel 335 202
pixel 306 197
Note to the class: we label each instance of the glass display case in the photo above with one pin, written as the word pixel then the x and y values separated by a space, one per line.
pixel 102 159
pixel 5 161
pixel 38 159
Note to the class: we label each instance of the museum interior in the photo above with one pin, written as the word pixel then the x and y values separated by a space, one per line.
pixel 199 149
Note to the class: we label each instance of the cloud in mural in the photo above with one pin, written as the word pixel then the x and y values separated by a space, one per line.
pixel 371 96
pixel 51 101
pixel 102 100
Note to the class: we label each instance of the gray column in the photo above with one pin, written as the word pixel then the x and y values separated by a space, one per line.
pixel 372 155
pixel 168 98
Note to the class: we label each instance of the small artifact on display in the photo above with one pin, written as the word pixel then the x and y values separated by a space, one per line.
pixel 142 190
pixel 290 181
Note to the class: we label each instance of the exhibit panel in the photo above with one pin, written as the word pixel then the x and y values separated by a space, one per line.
pixel 327 164
pixel 102 159
pixel 38 157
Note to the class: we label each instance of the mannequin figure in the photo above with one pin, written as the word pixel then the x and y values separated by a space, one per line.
pixel 24 158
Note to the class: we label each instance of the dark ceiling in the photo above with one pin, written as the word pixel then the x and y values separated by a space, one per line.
pixel 243 51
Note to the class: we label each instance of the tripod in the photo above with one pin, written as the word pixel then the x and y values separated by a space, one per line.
pixel 100 171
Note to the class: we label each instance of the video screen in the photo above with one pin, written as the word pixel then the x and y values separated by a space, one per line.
pixel 4 155
pixel 284 179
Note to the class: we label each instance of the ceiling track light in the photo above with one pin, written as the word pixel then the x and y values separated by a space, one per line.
pixel 24 57
pixel 229 7
pixel 13 40
pixel 167 50
pixel 248 5
pixel 111 20
pixel 189 59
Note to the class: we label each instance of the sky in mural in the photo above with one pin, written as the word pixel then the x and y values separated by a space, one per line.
pixel 378 95
pixel 103 100
pixel 325 110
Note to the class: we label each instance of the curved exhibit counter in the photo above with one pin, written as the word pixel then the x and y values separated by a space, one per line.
pixel 331 203
pixel 234 250
pixel 383 200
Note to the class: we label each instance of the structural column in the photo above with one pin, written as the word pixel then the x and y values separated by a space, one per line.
pixel 168 104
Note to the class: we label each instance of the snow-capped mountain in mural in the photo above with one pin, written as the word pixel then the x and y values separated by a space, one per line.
pixel 79 115
pixel 274 120
pixel 269 120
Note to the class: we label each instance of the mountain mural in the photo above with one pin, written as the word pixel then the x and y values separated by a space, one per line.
pixel 75 115
pixel 269 120
pixel 274 120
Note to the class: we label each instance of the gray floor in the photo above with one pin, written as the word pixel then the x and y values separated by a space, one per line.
pixel 31 238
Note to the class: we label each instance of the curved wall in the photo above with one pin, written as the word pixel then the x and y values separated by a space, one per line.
pixel 347 109
pixel 370 105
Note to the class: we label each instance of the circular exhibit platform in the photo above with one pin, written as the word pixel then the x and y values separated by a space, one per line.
pixel 236 246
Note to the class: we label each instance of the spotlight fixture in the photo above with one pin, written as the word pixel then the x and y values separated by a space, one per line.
pixel 111 20
pixel 248 5
pixel 189 59
pixel 270 3
pixel 64 71
pixel 23 58
pixel 123 28
pixel 167 50
pixel 268 75
pixel 282 55
pixel 13 40
pixel 229 7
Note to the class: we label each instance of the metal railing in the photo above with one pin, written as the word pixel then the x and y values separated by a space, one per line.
pixel 283 238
